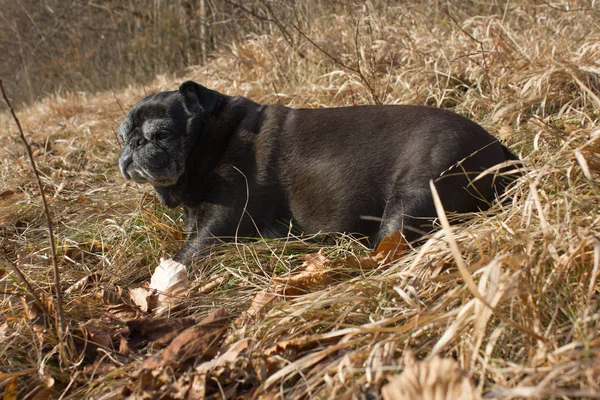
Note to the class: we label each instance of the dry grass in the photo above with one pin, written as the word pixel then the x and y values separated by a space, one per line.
pixel 529 73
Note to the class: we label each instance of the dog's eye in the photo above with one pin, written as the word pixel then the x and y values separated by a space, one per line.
pixel 160 135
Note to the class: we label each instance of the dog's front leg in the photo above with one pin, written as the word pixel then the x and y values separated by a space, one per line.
pixel 208 225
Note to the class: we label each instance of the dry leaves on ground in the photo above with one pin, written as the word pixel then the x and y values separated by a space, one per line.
pixel 168 285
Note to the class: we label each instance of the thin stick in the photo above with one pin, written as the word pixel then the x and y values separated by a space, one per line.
pixel 25 282
pixel 61 325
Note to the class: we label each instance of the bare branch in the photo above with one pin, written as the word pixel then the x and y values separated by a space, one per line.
pixel 61 325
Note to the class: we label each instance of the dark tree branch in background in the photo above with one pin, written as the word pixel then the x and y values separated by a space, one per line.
pixel 61 325
pixel 284 32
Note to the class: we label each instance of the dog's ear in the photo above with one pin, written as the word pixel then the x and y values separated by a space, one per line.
pixel 198 98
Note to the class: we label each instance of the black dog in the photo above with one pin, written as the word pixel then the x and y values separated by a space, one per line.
pixel 242 169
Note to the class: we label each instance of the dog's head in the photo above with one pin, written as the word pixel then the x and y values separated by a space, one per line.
pixel 160 132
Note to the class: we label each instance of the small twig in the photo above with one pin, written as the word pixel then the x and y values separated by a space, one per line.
pixel 26 282
pixel 485 65
pixel 284 32
pixel 276 92
pixel 340 63
pixel 113 120
pixel 61 325
pixel 390 56
pixel 118 103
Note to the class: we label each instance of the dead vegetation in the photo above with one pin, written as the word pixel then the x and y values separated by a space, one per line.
pixel 513 296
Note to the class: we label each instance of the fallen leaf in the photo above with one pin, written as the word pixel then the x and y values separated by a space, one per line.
pixel 32 310
pixel 298 344
pixel 211 286
pixel 123 312
pixel 170 280
pixel 366 263
pixel 145 299
pixel 40 387
pixel 8 197
pixel 84 282
pixel 11 390
pixel 258 303
pixel 196 341
pixel 435 379
pixel 42 393
pixel 98 333
pixel 270 396
pixel 112 296
pixel 197 387
pixel 318 271
pixel 229 356
pixel 306 281
pixel 103 332
pixel 160 331
pixel 35 314
pixel 6 193
pixel 124 348
pixel 315 261
pixel 393 246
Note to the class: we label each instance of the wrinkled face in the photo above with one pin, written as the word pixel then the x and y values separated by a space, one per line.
pixel 153 139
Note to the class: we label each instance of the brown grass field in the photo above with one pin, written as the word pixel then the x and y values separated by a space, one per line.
pixel 512 295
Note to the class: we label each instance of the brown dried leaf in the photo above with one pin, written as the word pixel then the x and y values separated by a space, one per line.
pixel 274 395
pixel 160 331
pixel 112 296
pixel 32 311
pixel 145 299
pixel 435 379
pixel 8 197
pixel 211 286
pixel 298 344
pixel 6 193
pixel 366 263
pixel 35 314
pixel 99 333
pixel 124 348
pixel 315 261
pixel 39 388
pixel 197 387
pixel 306 281
pixel 259 302
pixel 84 282
pixel 196 341
pixel 393 246
pixel 228 356
pixel 11 390
pixel 123 312
pixel 318 271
